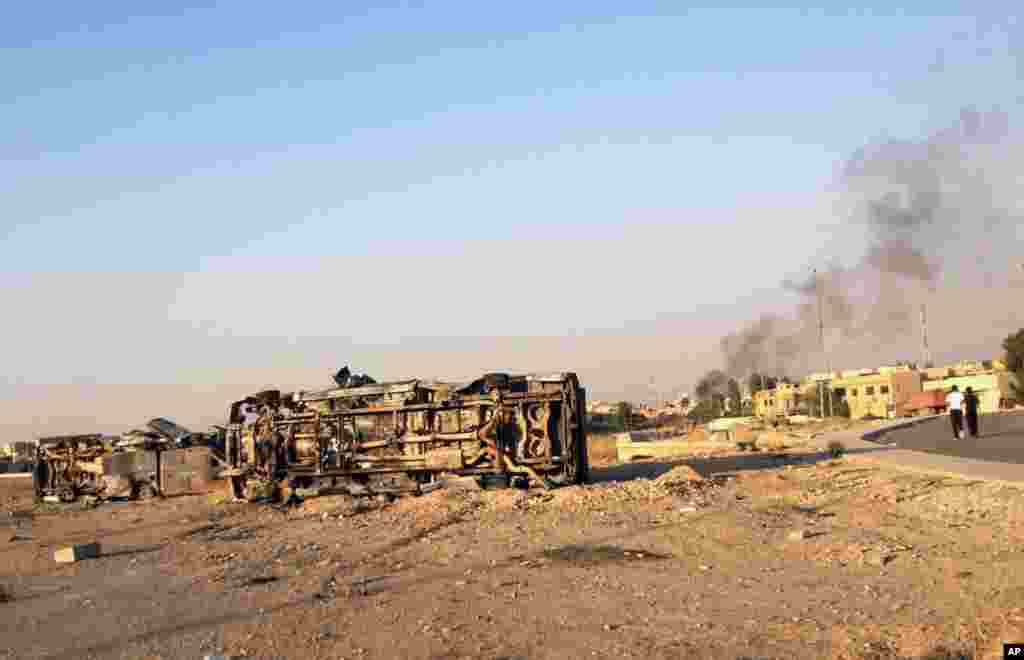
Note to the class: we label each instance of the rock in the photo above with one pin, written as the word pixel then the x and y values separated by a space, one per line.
pixel 877 558
pixel 798 535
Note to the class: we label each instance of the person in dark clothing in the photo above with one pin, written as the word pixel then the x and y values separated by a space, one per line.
pixel 971 412
pixel 955 403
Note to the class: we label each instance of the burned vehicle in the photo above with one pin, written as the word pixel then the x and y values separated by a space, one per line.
pixel 70 466
pixel 137 464
pixel 399 437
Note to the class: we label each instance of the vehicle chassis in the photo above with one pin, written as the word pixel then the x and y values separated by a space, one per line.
pixel 399 437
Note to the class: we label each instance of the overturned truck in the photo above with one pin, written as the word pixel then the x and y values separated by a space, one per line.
pixel 399 437
pixel 137 464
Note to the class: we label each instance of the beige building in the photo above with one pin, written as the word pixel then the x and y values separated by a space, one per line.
pixel 878 394
pixel 778 402
pixel 994 390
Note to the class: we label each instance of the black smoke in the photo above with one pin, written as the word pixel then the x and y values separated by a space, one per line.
pixel 921 202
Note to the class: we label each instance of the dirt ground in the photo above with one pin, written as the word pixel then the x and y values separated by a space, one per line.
pixel 765 555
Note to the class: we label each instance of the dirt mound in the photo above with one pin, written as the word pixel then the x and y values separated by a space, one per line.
pixel 679 475
pixel 774 440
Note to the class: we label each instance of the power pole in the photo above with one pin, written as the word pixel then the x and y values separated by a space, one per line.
pixel 926 353
pixel 822 385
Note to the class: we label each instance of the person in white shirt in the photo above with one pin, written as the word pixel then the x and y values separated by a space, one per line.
pixel 955 403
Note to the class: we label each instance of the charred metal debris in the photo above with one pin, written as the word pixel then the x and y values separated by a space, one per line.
pixel 162 458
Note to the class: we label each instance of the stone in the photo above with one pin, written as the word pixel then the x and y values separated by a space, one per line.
pixel 877 558
pixel 798 535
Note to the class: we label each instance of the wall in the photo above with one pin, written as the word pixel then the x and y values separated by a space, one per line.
pixel 905 384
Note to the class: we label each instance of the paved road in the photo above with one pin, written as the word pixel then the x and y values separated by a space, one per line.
pixel 1001 438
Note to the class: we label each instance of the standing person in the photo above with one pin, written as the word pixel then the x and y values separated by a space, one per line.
pixel 971 412
pixel 955 402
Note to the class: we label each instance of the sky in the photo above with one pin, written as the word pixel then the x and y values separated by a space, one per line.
pixel 201 198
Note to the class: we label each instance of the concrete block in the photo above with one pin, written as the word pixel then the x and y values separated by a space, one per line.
pixel 653 449
pixel 75 553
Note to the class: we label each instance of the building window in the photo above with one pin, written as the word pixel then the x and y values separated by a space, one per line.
pixel 853 392
pixel 869 390
pixel 885 389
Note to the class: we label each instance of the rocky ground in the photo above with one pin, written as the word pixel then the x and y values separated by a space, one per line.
pixel 783 554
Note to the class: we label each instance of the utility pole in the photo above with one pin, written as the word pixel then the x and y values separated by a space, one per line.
pixel 926 353
pixel 822 385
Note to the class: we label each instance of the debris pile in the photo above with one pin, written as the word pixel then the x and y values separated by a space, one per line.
pixel 681 481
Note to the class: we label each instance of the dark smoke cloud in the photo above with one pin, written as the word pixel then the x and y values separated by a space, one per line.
pixel 921 202
pixel 901 258
pixel 746 350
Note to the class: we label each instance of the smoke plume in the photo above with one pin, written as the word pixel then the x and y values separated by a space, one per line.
pixel 952 194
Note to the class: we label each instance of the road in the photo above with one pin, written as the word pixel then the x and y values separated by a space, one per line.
pixel 1001 438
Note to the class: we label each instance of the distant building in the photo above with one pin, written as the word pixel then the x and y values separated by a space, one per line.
pixel 936 373
pixel 900 368
pixel 877 394
pixel 781 401
pixel 968 367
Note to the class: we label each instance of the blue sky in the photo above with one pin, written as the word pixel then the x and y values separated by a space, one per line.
pixel 178 162
pixel 322 109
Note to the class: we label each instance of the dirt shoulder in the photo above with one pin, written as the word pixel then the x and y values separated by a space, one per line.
pixel 766 555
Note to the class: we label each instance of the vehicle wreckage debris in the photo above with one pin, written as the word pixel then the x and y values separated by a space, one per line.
pixel 162 459
pixel 76 553
pixel 359 438
pixel 365 438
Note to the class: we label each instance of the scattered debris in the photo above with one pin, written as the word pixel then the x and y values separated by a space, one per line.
pixel 878 558
pixel 328 589
pixel 361 585
pixel 76 553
